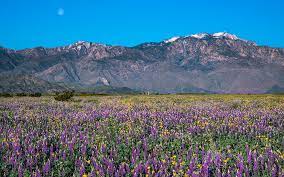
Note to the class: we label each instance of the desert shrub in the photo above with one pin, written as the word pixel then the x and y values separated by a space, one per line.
pixel 6 95
pixel 21 94
pixel 35 94
pixel 235 104
pixel 96 101
pixel 65 96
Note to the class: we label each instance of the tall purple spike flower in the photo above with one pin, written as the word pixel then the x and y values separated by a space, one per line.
pixel 46 167
pixel 20 171
pixel 240 165
pixel 82 170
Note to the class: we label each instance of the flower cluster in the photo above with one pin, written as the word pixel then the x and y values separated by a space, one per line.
pixel 193 136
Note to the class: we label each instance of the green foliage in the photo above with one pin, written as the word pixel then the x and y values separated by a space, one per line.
pixel 21 94
pixel 65 96
pixel 6 95
pixel 35 94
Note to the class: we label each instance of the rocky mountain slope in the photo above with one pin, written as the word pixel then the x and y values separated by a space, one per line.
pixel 27 84
pixel 219 63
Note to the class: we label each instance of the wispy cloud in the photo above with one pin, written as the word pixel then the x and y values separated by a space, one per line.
pixel 60 12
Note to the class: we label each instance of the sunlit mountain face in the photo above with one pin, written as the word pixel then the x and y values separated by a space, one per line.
pixel 214 63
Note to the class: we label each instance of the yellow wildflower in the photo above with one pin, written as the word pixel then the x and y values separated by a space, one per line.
pixel 148 169
pixel 226 160
pixel 282 155
pixel 199 165
pixel 174 173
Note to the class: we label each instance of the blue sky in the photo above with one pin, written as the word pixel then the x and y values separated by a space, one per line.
pixel 50 23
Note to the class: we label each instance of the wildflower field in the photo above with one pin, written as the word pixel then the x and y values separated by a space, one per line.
pixel 163 135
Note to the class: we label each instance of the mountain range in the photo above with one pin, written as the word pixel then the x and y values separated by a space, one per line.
pixel 209 63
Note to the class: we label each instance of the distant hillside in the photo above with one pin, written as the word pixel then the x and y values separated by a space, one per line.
pixel 276 89
pixel 26 84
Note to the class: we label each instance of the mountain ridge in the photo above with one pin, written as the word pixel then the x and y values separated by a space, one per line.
pixel 218 63
pixel 80 42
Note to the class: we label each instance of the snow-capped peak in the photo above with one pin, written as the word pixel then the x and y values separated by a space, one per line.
pixel 83 43
pixel 226 35
pixel 200 35
pixel 215 35
pixel 79 44
pixel 172 39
